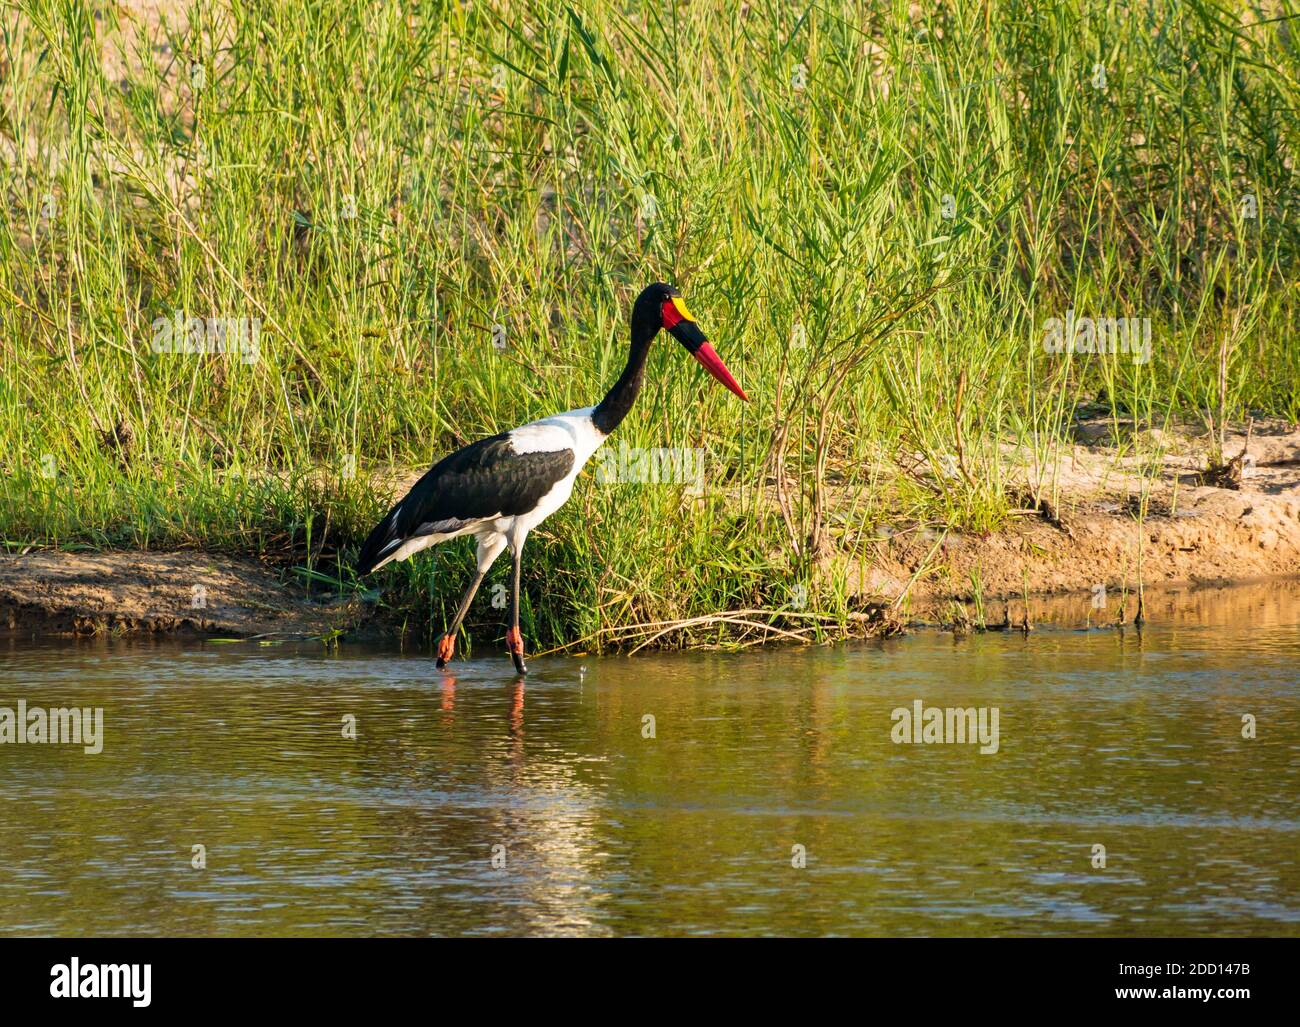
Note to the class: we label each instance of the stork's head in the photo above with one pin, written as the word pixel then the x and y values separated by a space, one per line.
pixel 662 306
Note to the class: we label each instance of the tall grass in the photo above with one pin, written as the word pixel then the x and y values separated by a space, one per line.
pixel 871 208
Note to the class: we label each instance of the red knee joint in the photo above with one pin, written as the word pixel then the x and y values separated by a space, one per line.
pixel 515 641
pixel 446 647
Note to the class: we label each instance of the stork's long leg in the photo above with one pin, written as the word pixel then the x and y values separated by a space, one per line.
pixel 489 548
pixel 447 644
pixel 514 639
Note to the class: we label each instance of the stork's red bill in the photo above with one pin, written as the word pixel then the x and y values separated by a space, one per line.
pixel 677 319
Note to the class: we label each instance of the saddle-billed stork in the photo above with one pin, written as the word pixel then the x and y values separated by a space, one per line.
pixel 500 488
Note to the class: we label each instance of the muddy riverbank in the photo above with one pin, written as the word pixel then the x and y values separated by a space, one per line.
pixel 1095 522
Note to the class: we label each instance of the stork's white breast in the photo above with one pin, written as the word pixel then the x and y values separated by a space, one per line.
pixel 573 431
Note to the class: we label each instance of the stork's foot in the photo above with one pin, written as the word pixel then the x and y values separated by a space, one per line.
pixel 446 650
pixel 515 643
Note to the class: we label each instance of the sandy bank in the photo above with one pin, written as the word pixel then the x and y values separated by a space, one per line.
pixel 1087 537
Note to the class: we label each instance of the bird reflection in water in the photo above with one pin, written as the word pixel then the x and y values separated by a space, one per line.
pixel 447 684
pixel 448 693
pixel 517 711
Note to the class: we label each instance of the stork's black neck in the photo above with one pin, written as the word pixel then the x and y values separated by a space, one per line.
pixel 619 399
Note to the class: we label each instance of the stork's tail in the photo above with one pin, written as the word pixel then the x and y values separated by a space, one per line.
pixel 380 545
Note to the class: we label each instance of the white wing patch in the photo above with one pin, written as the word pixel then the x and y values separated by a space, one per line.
pixel 540 437
pixel 572 430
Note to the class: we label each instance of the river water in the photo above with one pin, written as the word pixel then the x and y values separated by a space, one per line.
pixel 745 793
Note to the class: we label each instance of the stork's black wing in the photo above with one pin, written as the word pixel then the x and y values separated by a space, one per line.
pixel 485 479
